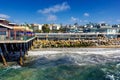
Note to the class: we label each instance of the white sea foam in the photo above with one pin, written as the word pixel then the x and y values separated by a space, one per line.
pixel 111 77
pixel 99 51
pixel 15 67
pixel 80 55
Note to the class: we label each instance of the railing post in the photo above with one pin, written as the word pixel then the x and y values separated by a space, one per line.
pixel 9 34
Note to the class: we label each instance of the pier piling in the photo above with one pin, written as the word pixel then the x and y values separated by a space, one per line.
pixel 21 58
pixel 3 58
pixel 15 50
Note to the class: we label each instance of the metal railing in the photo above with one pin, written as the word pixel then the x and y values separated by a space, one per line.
pixel 57 36
pixel 4 38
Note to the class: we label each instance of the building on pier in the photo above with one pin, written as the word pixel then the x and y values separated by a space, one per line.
pixel 15 41
pixel 9 31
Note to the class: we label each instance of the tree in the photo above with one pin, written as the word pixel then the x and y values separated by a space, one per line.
pixel 45 28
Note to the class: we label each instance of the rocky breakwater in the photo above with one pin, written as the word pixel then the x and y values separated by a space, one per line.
pixel 111 43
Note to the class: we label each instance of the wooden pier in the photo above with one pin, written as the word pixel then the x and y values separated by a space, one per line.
pixel 15 50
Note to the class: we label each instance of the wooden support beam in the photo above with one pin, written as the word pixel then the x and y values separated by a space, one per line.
pixel 12 49
pixel 25 51
pixel 26 48
pixel 21 59
pixel 6 51
pixel 29 45
pixel 3 58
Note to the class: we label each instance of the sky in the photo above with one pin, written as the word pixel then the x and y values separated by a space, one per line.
pixel 61 11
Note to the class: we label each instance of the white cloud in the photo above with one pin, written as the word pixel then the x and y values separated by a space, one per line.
pixel 51 18
pixel 74 19
pixel 86 14
pixel 80 20
pixel 85 21
pixel 56 8
pixel 102 22
pixel 118 20
pixel 4 16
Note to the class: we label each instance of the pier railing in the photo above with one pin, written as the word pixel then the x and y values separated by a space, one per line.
pixel 17 38
pixel 64 36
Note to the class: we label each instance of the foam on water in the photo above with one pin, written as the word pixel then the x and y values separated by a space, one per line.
pixel 15 67
pixel 67 65
pixel 111 77
pixel 100 51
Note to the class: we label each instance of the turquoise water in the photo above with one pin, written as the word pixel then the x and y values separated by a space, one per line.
pixel 65 67
pixel 109 71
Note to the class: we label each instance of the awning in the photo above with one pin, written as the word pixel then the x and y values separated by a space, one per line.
pixel 6 26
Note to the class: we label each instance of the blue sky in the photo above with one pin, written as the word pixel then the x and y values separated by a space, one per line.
pixel 61 11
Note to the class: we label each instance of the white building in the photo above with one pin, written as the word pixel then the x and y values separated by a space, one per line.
pixel 118 25
pixel 56 26
pixel 40 26
pixel 36 27
pixel 104 25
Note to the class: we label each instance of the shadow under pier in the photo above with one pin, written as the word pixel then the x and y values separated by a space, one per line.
pixel 15 50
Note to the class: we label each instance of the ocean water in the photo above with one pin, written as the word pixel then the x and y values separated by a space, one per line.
pixel 65 67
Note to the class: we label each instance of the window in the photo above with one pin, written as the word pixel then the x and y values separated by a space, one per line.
pixel 2 32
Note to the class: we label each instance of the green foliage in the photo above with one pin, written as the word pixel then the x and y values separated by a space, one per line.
pixel 45 28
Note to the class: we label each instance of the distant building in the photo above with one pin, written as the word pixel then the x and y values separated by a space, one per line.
pixel 104 25
pixel 36 27
pixel 56 26
pixel 118 25
pixel 50 26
